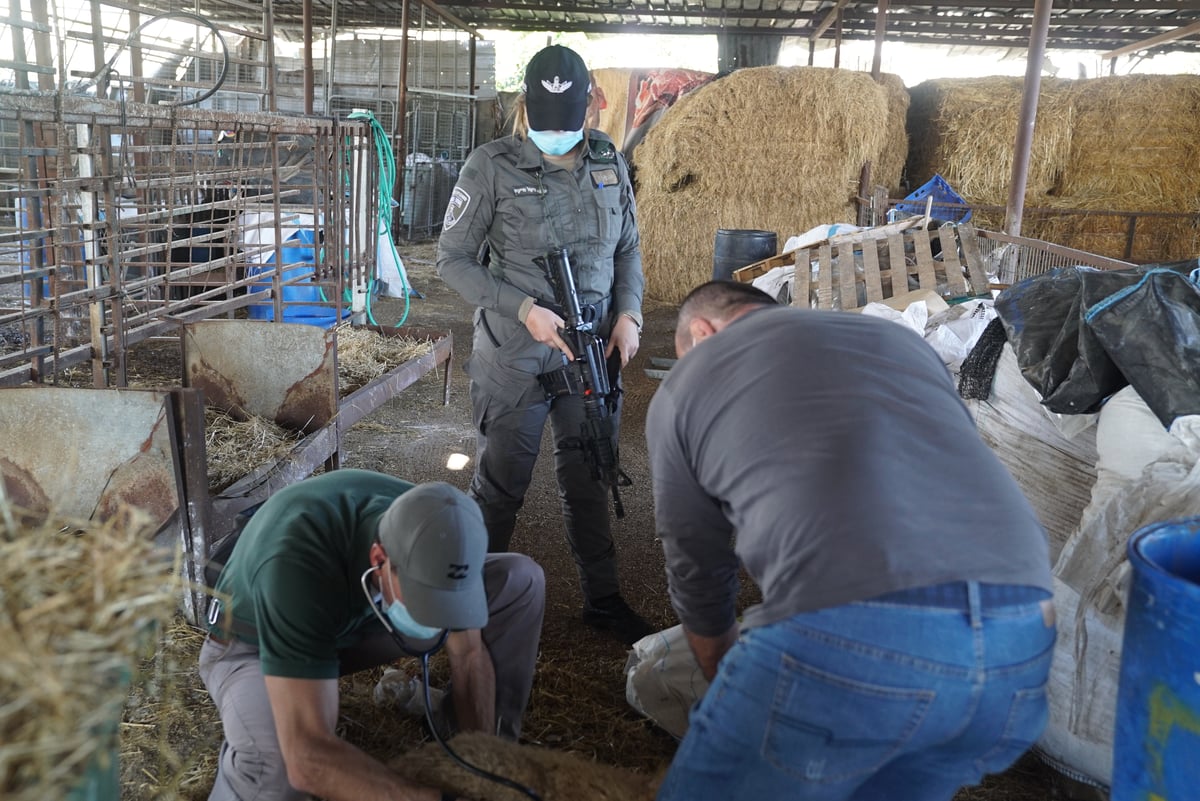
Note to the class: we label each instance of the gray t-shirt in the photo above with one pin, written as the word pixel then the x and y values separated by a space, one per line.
pixel 830 453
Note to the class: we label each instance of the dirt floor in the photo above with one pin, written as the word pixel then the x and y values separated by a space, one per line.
pixel 171 733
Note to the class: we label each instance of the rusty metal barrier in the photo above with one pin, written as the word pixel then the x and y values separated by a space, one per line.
pixel 120 221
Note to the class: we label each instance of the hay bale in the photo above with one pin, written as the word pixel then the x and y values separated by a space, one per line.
pixel 965 129
pixel 1136 150
pixel 613 82
pixel 772 148
pixel 554 775
pixel 1124 143
pixel 79 602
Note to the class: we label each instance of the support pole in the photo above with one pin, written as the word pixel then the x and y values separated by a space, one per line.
pixel 880 31
pixel 309 84
pixel 1029 104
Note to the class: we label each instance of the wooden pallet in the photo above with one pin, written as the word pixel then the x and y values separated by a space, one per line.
pixel 888 256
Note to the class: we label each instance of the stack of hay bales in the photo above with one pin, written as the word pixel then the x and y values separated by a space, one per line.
pixel 79 602
pixel 1125 143
pixel 771 148
pixel 1136 148
pixel 965 129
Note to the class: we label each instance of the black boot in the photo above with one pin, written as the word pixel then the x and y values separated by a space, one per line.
pixel 612 615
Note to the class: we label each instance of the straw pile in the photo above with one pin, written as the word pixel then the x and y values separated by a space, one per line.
pixel 79 602
pixel 1125 143
pixel 772 148
pixel 364 355
pixel 235 447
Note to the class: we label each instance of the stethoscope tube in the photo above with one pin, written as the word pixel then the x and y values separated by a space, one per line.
pixel 428 698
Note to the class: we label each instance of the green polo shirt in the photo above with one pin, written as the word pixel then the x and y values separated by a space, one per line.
pixel 294 575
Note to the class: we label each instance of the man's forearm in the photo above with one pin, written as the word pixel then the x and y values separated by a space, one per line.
pixel 709 650
pixel 473 688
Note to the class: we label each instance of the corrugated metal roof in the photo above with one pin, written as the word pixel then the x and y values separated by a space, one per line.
pixel 1074 24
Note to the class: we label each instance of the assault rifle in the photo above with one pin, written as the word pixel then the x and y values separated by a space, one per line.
pixel 587 376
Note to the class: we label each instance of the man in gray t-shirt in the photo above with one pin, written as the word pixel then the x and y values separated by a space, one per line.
pixel 905 631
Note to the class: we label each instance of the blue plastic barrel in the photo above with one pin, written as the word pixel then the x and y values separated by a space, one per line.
pixel 301 253
pixel 1156 750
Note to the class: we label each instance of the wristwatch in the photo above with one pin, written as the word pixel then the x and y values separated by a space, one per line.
pixel 635 321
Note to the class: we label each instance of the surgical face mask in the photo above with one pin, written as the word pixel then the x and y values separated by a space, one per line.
pixel 398 615
pixel 556 143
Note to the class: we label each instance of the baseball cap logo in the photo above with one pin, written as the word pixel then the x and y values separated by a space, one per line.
pixel 557 87
pixel 457 572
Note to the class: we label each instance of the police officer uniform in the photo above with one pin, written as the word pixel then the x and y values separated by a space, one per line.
pixel 522 206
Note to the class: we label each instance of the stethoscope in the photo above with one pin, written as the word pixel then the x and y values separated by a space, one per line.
pixel 424 655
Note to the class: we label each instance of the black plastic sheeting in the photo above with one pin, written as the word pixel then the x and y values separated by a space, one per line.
pixel 1081 334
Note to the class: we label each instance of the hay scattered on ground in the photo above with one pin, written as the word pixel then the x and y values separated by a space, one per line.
pixel 79 602
pixel 364 355
pixel 772 148
pixel 235 447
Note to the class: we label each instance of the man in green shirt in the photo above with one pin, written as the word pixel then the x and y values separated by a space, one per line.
pixel 326 578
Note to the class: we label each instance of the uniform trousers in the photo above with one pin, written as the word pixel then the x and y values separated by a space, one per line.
pixel 251 766
pixel 507 444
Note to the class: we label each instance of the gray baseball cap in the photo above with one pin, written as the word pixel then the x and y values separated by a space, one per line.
pixel 435 538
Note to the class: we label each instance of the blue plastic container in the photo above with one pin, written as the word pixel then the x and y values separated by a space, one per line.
pixel 1156 749
pixel 303 250
pixel 942 193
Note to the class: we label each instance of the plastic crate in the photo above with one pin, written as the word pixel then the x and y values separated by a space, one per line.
pixel 942 193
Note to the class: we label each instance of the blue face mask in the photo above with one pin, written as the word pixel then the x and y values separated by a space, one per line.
pixel 398 615
pixel 556 143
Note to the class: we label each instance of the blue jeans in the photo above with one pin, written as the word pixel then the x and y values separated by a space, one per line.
pixel 902 698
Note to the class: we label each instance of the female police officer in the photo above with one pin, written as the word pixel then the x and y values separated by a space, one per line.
pixel 550 186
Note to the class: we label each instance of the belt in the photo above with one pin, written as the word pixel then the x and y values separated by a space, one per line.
pixel 954 595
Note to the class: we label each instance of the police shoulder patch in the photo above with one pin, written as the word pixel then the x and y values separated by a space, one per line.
pixel 459 201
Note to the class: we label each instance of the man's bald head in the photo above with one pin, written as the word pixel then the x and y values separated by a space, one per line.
pixel 710 307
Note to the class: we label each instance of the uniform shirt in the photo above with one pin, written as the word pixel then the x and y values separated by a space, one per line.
pixel 294 574
pixel 524 207
pixel 835 460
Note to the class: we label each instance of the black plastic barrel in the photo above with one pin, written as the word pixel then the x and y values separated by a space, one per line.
pixel 736 247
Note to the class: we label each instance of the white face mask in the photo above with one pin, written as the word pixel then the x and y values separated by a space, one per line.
pixel 556 143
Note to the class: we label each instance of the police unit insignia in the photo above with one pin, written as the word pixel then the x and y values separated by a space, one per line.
pixel 558 87
pixel 459 200
pixel 603 178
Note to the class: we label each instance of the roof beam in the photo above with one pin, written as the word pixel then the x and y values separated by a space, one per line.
pixel 635 11
pixel 829 19
pixel 1162 38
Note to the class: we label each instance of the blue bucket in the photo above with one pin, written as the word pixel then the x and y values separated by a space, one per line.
pixel 1156 750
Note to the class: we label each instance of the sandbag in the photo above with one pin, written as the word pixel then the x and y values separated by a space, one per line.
pixel 1091 578
pixel 663 679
